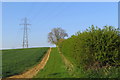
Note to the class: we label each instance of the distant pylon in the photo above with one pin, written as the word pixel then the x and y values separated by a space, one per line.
pixel 25 33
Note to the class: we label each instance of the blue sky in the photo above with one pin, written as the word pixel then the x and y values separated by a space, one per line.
pixel 43 16
pixel 0 37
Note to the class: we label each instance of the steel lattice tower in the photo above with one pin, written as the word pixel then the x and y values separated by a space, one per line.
pixel 25 33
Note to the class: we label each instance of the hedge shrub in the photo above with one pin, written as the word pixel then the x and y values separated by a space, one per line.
pixel 95 47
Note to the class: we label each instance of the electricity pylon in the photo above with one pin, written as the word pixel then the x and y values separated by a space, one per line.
pixel 25 33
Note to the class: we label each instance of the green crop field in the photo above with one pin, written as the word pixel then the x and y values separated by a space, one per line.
pixel 54 68
pixel 16 61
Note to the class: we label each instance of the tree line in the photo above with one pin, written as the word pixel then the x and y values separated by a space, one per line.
pixel 92 48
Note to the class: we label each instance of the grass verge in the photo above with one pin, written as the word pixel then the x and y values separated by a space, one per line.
pixel 54 68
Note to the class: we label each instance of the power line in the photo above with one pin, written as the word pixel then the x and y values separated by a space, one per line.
pixel 25 33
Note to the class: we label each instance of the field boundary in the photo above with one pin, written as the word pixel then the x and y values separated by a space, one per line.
pixel 32 72
pixel 68 64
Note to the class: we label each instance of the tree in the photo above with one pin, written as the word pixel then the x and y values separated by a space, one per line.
pixel 56 34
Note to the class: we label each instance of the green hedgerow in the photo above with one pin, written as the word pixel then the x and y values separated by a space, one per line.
pixel 93 48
